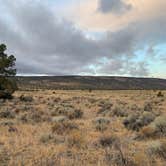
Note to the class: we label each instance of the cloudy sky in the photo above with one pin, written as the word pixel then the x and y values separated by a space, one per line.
pixel 86 37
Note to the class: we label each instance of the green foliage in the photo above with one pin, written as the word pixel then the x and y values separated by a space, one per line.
pixel 7 72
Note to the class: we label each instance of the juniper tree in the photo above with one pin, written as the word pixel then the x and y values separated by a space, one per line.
pixel 7 72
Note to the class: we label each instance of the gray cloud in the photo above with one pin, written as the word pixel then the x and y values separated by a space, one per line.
pixel 123 67
pixel 113 6
pixel 46 44
pixel 49 44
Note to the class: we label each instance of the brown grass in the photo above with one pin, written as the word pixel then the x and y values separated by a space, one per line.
pixel 32 133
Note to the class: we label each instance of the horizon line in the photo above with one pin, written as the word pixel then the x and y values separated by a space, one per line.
pixel 46 75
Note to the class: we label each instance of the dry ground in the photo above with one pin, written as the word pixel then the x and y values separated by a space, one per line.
pixel 71 128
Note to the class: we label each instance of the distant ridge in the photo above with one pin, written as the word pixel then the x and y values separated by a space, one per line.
pixel 90 82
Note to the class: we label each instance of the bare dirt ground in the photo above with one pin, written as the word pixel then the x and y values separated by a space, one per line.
pixel 71 128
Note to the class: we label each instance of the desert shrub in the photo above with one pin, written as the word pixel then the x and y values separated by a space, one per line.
pixel 2 101
pixel 160 125
pixel 146 118
pixel 45 138
pixel 90 90
pixel 7 114
pixel 92 100
pixel 136 121
pixel 121 103
pixel 157 148
pixel 12 129
pixel 51 138
pixel 68 111
pixel 23 118
pixel 36 117
pixel 119 111
pixel 108 140
pixel 101 123
pixel 155 129
pixel 58 139
pixel 26 98
pixel 57 99
pixel 160 94
pixel 135 108
pixel 7 123
pixel 131 122
pixel 63 127
pixel 58 119
pixel 148 107
pixel 105 106
pixel 5 94
pixel 24 108
pixel 75 139
pixel 74 113
pixel 33 117
pixel 117 159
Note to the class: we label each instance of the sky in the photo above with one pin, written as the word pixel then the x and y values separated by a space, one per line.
pixel 86 37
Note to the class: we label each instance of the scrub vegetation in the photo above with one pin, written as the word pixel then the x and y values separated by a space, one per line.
pixel 82 127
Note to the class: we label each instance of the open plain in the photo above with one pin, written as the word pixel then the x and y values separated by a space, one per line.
pixel 72 127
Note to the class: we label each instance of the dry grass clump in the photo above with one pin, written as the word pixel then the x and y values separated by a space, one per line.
pixel 101 123
pixel 108 140
pixel 64 127
pixel 4 157
pixel 50 130
pixel 140 159
pixel 157 149
pixel 117 158
pixel 76 139
pixel 51 138
pixel 114 153
pixel 147 132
